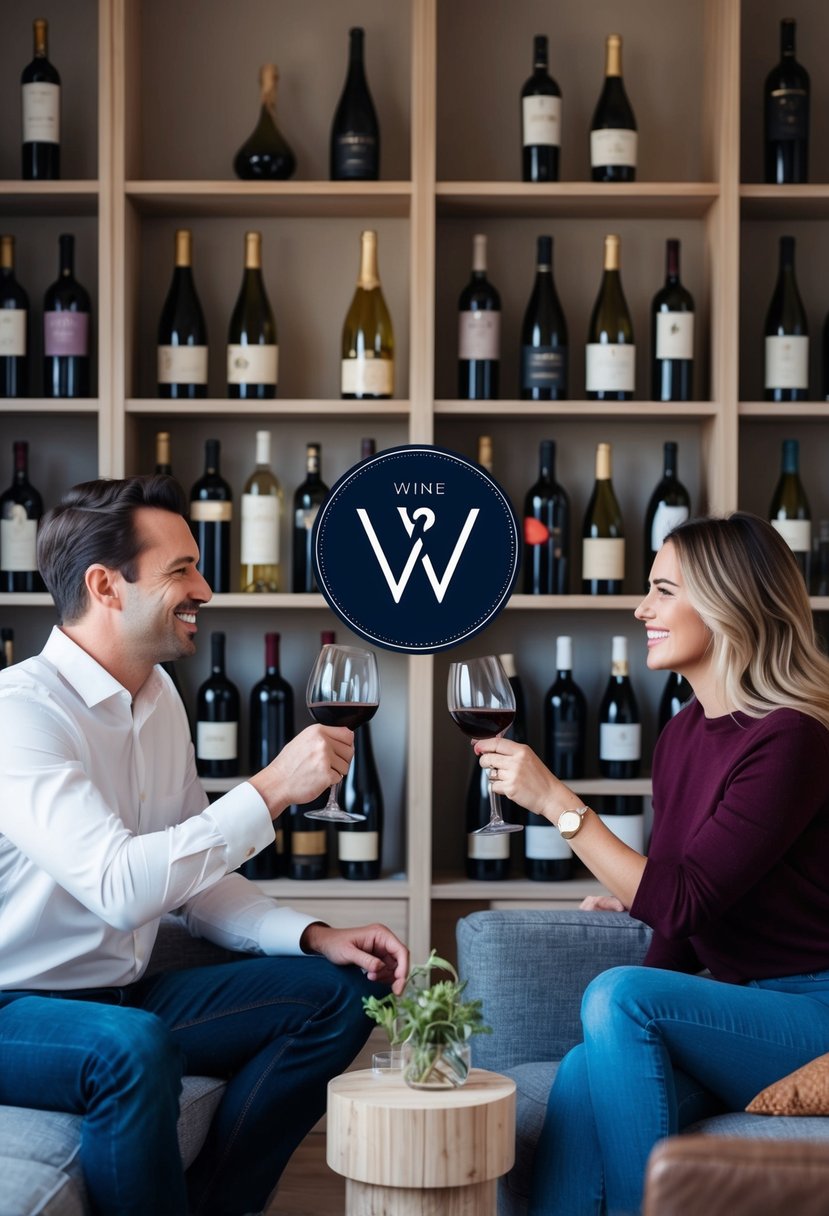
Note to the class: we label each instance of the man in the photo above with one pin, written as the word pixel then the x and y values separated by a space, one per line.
pixel 104 826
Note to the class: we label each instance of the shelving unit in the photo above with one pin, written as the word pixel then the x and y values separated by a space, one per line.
pixel 151 123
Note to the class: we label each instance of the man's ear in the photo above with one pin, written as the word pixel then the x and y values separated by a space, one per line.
pixel 102 586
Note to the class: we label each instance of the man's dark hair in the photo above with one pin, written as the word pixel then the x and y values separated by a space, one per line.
pixel 95 523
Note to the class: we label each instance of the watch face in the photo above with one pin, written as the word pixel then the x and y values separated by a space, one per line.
pixel 569 823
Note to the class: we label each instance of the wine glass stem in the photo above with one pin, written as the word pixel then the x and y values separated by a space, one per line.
pixel 332 803
pixel 495 815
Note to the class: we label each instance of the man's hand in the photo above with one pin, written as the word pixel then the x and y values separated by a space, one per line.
pixel 602 903
pixel 373 948
pixel 316 758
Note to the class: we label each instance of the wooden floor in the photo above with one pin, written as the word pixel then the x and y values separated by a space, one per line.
pixel 308 1186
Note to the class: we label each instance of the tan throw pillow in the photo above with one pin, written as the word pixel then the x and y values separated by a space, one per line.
pixel 803 1092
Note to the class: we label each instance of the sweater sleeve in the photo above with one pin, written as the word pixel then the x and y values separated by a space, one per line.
pixel 775 789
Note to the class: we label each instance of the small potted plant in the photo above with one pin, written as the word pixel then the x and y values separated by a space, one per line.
pixel 433 1023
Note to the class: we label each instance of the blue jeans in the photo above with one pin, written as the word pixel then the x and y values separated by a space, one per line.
pixel 277 1028
pixel 661 1050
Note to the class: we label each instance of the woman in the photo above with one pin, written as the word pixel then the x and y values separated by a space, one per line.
pixel 735 881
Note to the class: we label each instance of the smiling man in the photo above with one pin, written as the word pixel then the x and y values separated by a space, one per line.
pixel 104 827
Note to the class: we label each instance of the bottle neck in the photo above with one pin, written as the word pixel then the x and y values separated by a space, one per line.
pixel 183 248
pixel 272 653
pixel 162 451
pixel 787 35
pixel 253 251
pixel 211 456
pixel 547 460
pixel 7 254
pixel 564 656
pixel 485 452
pixel 40 39
pixel 268 79
pixel 312 462
pixel 790 462
pixel 540 56
pixel 217 653
pixel 603 462
pixel 612 250
pixel 67 256
pixel 355 49
pixel 21 461
pixel 263 449
pixel 670 460
pixel 369 277
pixel 613 56
pixel 479 255
pixel 786 255
pixel 672 261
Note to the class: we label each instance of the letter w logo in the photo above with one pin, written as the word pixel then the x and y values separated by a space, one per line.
pixel 398 586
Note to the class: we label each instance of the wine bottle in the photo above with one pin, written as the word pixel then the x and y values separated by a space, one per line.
pixel 21 508
pixel 308 843
pixel 271 727
pixel 217 717
pixel 546 530
pixel 675 696
pixel 620 748
pixel 211 512
pixel 603 534
pixel 368 448
pixel 485 457
pixel 787 334
pixel 14 327
pixel 540 120
pixel 262 502
pixel 66 325
pixel 789 511
pixel 360 844
pixel 182 333
pixel 786 113
pixel 669 506
pixel 40 97
pixel 547 857
pixel 487 857
pixel 367 368
pixel 544 335
pixel 266 154
pixel 163 458
pixel 479 331
pixel 611 354
pixel 820 564
pixel 308 498
pixel 613 136
pixel 672 335
pixel 252 350
pixel 355 132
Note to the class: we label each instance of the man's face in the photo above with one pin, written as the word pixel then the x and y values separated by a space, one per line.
pixel 161 606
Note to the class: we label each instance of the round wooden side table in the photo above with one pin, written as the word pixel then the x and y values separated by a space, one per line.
pixel 417 1152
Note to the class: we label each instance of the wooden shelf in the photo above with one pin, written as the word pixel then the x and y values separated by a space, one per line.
pixel 577 200
pixel 291 199
pixel 49 198
pixel 519 602
pixel 577 410
pixel 334 409
pixel 762 202
pixel 784 411
pixel 385 887
pixel 49 405
pixel 455 887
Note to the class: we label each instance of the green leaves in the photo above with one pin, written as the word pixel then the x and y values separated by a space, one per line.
pixel 425 1012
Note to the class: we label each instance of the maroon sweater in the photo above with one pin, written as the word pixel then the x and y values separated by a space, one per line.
pixel 737 876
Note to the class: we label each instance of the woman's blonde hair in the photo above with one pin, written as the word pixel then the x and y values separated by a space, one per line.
pixel 745 584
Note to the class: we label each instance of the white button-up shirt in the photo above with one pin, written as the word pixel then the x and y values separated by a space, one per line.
pixel 104 826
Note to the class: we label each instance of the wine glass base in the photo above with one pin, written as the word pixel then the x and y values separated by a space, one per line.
pixel 495 829
pixel 338 816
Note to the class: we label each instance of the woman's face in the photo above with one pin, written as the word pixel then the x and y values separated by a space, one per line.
pixel 678 640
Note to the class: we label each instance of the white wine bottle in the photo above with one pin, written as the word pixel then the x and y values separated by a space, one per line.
pixel 261 517
pixel 603 534
pixel 613 137
pixel 252 350
pixel 182 333
pixel 789 512
pixel 611 354
pixel 787 334
pixel 367 368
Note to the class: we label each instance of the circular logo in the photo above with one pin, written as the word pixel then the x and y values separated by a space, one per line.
pixel 416 549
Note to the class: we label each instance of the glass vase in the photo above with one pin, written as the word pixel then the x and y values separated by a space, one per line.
pixel 435 1065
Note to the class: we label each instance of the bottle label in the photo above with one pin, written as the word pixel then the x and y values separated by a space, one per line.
pixel 260 530
pixel 613 146
pixel 787 361
pixel 41 113
pixel 620 741
pixel 543 367
pixel 182 365
pixel 666 518
pixel 252 364
pixel 603 557
pixel 216 740
pixel 358 846
pixel 308 843
pixel 355 154
pixel 611 367
pixel 18 540
pixel 674 335
pixel 66 333
pixel 535 532
pixel 541 120
pixel 797 533
pixel 479 334
pixel 629 828
pixel 545 844
pixel 787 112
pixel 209 511
pixel 12 331
pixel 488 848
pixel 367 377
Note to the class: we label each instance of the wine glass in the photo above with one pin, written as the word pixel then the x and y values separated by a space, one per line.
pixel 343 690
pixel 481 701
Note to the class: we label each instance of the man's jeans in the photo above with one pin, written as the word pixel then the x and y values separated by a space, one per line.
pixel 277 1028
pixel 661 1050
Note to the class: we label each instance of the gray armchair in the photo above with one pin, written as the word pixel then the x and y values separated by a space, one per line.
pixel 530 968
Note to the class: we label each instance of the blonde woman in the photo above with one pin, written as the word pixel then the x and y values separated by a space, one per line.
pixel 735 881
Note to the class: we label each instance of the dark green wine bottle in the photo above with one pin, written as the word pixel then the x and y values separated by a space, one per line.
pixel 789 511
pixel 252 350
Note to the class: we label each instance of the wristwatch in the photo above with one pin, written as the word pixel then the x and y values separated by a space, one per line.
pixel 569 822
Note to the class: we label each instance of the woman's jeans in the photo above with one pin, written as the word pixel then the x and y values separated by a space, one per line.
pixel 661 1050
pixel 278 1028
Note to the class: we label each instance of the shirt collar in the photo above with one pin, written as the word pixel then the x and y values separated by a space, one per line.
pixel 92 682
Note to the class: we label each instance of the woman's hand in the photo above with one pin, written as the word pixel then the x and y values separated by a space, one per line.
pixel 601 903
pixel 516 772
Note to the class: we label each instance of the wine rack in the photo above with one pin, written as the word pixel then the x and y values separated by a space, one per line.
pixel 155 105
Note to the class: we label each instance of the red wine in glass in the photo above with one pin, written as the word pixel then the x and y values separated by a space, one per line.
pixel 482 723
pixel 343 690
pixel 343 713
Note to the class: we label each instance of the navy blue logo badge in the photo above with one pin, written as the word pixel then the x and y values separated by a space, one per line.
pixel 416 549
